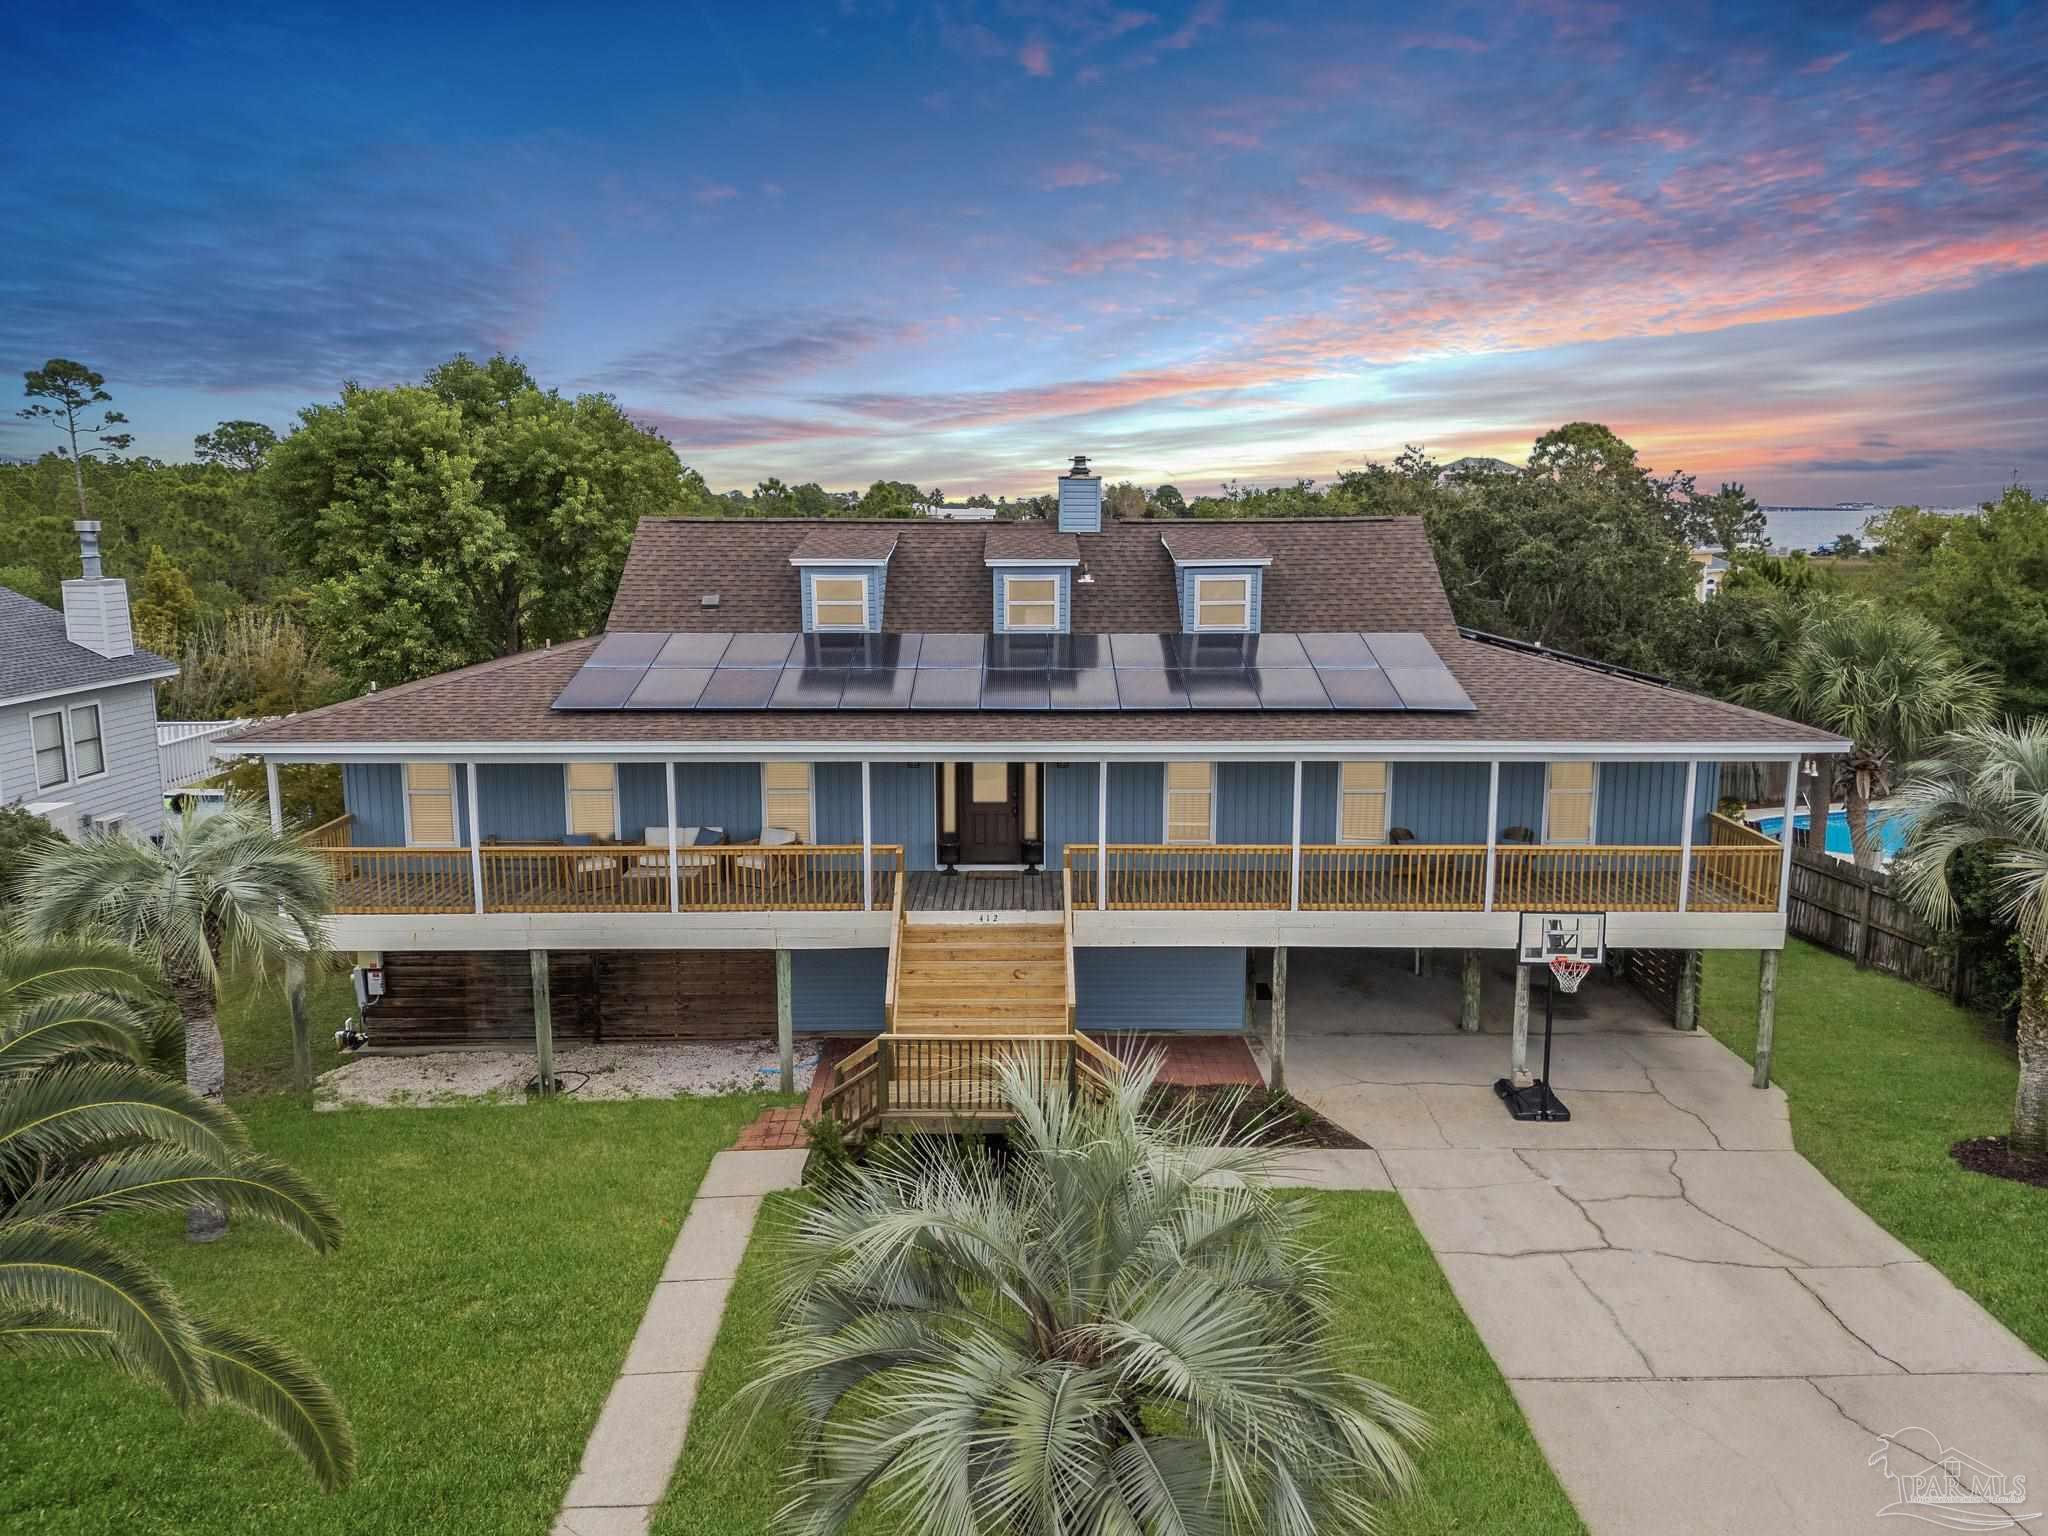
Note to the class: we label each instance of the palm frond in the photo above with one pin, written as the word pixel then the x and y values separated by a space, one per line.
pixel 76 1109
pixel 52 1271
pixel 69 1024
pixel 280 1391
pixel 164 1179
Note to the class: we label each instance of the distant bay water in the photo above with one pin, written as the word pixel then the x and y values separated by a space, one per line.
pixel 1811 527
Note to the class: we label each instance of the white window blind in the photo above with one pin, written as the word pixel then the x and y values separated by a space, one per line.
pixel 1031 602
pixel 1190 802
pixel 839 602
pixel 593 800
pixel 1362 803
pixel 1568 804
pixel 430 804
pixel 46 734
pixel 786 798
pixel 88 753
pixel 1223 602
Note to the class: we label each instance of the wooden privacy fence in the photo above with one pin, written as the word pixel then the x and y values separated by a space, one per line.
pixel 1855 912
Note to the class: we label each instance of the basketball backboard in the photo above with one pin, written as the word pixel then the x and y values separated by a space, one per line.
pixel 1582 935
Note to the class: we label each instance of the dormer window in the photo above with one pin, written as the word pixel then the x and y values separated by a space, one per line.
pixel 1223 602
pixel 1030 602
pixel 839 602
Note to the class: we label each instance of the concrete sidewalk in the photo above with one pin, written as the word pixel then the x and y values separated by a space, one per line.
pixel 641 1428
pixel 1705 1335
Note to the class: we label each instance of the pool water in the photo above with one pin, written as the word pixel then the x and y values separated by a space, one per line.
pixel 1891 835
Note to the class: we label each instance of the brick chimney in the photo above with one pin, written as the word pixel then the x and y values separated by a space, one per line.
pixel 1080 499
pixel 95 605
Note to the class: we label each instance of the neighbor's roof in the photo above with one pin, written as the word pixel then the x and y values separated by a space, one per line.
pixel 1031 541
pixel 37 659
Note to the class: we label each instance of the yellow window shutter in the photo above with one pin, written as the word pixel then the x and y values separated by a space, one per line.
pixel 1189 797
pixel 430 803
pixel 1362 810
pixel 593 800
pixel 1571 803
pixel 786 798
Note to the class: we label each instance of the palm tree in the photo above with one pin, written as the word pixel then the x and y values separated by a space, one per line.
pixel 1887 679
pixel 85 1131
pixel 224 885
pixel 1987 788
pixel 1119 1330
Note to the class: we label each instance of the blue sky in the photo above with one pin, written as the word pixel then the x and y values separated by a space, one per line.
pixel 1802 247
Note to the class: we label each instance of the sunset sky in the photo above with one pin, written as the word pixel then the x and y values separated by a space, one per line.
pixel 1803 247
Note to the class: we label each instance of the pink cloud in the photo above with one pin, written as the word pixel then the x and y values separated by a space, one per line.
pixel 1823 64
pixel 1898 21
pixel 1888 180
pixel 711 192
pixel 1036 59
pixel 1234 138
pixel 1206 14
pixel 1076 173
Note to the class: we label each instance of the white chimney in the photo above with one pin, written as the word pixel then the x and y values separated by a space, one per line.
pixel 96 606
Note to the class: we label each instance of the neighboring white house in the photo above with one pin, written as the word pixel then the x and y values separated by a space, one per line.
pixel 1709 571
pixel 78 741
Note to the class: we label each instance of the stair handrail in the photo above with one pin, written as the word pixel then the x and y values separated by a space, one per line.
pixel 895 958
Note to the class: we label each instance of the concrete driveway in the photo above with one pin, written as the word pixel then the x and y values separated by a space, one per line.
pixel 1705 1335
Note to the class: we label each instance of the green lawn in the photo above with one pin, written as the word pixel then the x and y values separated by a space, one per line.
pixel 1483 1473
pixel 256 1026
pixel 496 1264
pixel 1883 1077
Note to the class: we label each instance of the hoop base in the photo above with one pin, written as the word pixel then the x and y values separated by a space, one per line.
pixel 1535 1102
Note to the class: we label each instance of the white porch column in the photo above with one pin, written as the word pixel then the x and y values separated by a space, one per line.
pixel 276 804
pixel 1820 821
pixel 1492 824
pixel 675 873
pixel 1692 781
pixel 476 844
pixel 867 841
pixel 1102 836
pixel 1294 899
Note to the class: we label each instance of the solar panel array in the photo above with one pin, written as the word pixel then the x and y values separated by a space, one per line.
pixel 1132 673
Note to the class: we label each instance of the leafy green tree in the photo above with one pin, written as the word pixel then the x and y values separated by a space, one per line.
pixel 86 1132
pixel 258 663
pixel 65 393
pixel 468 518
pixel 891 498
pixel 1846 546
pixel 1985 790
pixel 1122 1331
pixel 243 446
pixel 22 834
pixel 1412 486
pixel 1583 448
pixel 1889 681
pixel 1169 501
pixel 165 609
pixel 1729 520
pixel 1794 573
pixel 216 886
pixel 1123 502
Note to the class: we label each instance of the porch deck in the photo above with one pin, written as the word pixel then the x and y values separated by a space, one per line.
pixel 930 890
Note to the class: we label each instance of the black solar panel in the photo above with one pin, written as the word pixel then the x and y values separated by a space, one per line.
pixel 1124 672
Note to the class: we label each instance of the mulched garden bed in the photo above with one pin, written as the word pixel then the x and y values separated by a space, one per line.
pixel 1283 1121
pixel 1994 1155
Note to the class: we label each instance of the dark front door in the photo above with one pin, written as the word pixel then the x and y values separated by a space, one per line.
pixel 991 800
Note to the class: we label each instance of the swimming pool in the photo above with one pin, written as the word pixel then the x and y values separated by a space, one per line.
pixel 1891 835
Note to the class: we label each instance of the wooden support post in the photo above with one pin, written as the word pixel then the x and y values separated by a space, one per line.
pixel 1518 1057
pixel 785 1022
pixel 302 1042
pixel 1468 1005
pixel 1766 1016
pixel 1276 1035
pixel 1688 1010
pixel 543 1024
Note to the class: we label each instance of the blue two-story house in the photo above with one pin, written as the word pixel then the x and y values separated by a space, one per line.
pixel 858 777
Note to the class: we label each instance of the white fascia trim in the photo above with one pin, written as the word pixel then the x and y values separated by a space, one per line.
pixel 1054 751
pixel 1030 564
pixel 59 693
pixel 844 560
pixel 1207 562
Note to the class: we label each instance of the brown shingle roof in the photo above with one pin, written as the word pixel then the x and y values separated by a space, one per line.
pixel 1369 574
pixel 839 541
pixel 1214 541
pixel 1030 541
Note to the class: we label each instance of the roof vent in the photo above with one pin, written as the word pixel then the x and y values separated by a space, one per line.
pixel 1080 464
pixel 709 600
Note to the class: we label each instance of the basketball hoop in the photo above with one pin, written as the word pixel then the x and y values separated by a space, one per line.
pixel 1567 971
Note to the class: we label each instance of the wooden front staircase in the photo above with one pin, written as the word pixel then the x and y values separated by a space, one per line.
pixel 961 999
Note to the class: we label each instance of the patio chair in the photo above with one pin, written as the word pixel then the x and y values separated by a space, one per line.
pixel 757 865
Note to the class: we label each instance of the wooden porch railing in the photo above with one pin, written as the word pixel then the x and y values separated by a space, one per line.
pixel 1738 875
pixel 329 834
pixel 611 877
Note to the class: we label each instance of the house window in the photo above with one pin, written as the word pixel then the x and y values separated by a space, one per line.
pixel 88 753
pixel 1031 602
pixel 839 602
pixel 1191 802
pixel 1568 803
pixel 786 798
pixel 1223 602
pixel 46 735
pixel 1362 803
pixel 989 783
pixel 430 805
pixel 593 800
